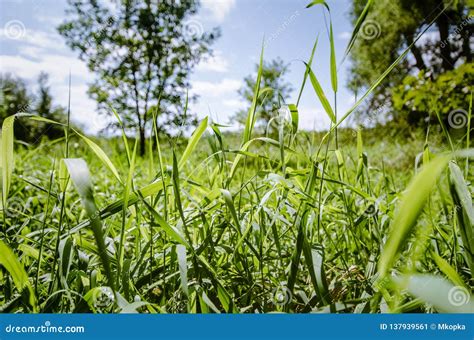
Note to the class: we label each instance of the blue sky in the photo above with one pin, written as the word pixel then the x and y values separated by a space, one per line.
pixel 29 44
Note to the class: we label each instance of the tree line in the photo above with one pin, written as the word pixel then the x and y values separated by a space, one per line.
pixel 142 53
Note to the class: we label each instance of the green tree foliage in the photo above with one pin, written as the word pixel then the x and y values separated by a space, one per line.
pixel 44 108
pixel 393 25
pixel 16 97
pixel 142 52
pixel 275 92
pixel 448 95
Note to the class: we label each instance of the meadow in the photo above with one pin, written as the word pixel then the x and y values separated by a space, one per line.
pixel 341 221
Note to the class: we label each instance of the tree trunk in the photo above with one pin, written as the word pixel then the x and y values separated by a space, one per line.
pixel 443 27
pixel 466 45
pixel 142 141
pixel 420 63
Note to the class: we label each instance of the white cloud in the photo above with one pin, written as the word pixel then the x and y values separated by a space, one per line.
pixel 55 20
pixel 83 109
pixel 56 66
pixel 313 118
pixel 216 63
pixel 233 103
pixel 40 39
pixel 40 51
pixel 218 8
pixel 225 86
pixel 344 35
pixel 218 99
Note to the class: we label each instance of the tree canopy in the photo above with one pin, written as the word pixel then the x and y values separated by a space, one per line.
pixel 275 91
pixel 142 52
pixel 16 97
pixel 392 26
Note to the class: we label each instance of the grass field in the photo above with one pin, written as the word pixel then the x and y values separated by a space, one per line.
pixel 365 220
pixel 222 230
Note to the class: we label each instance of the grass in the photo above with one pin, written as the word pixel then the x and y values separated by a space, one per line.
pixel 240 223
pixel 264 241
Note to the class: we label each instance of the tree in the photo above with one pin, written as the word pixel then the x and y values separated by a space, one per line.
pixel 143 52
pixel 16 98
pixel 44 108
pixel 270 101
pixel 391 26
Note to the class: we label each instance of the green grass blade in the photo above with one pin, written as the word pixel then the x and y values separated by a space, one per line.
pixel 170 231
pixel 305 77
pixel 333 58
pixel 448 270
pixel 102 156
pixel 250 122
pixel 464 211
pixel 320 93
pixel 80 176
pixel 439 293
pixel 410 208
pixel 183 268
pixel 126 195
pixel 357 27
pixel 20 278
pixel 294 117
pixel 65 251
pixel 318 2
pixel 7 159
pixel 193 141
pixel 230 205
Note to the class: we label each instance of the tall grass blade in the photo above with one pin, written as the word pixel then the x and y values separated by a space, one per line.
pixel 7 160
pixel 305 77
pixel 250 122
pixel 333 58
pixel 448 270
pixel 409 209
pixel 320 93
pixel 20 278
pixel 193 142
pixel 464 211
pixel 358 25
pixel 183 268
pixel 102 156
pixel 439 293
pixel 80 176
